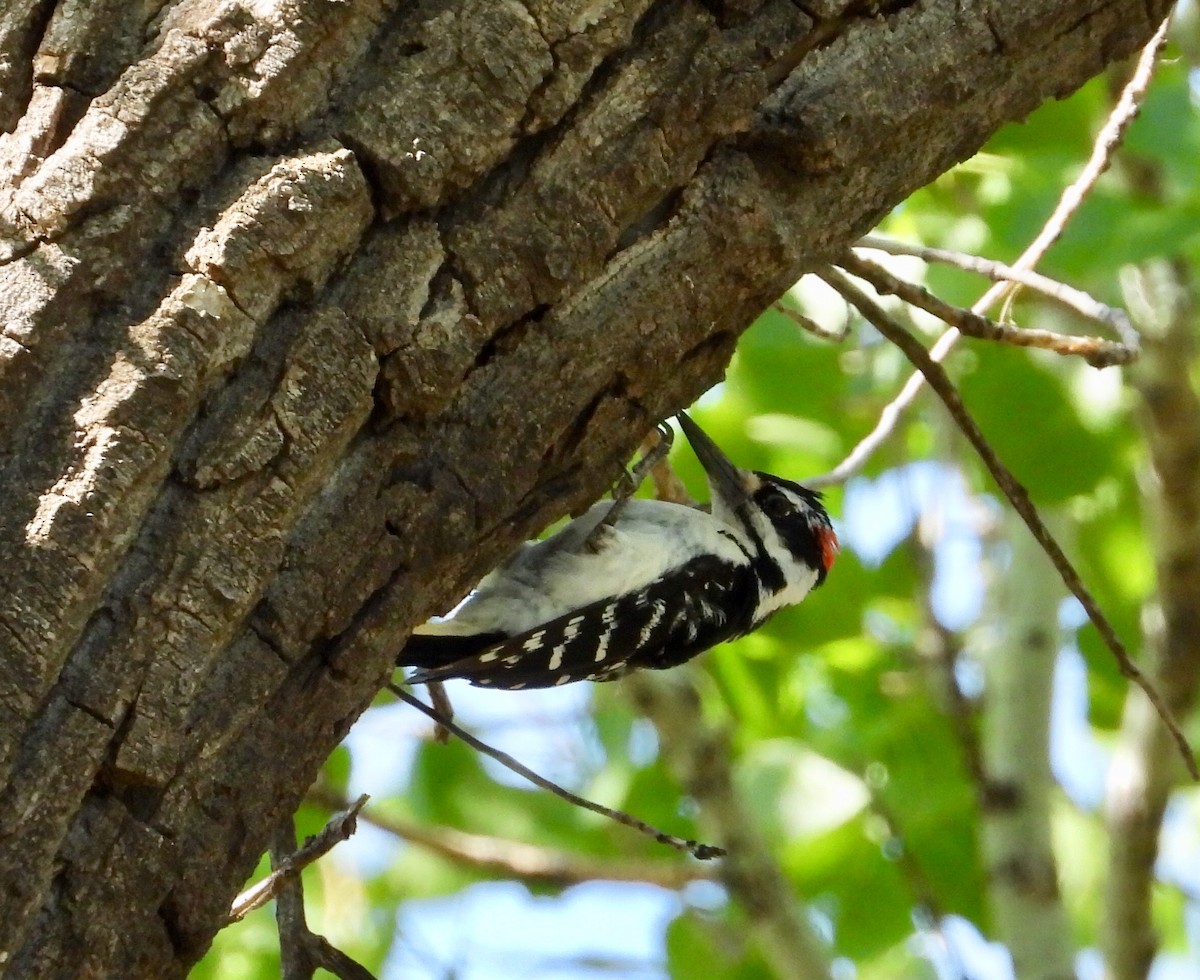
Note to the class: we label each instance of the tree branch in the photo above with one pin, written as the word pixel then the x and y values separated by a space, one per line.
pixel 936 375
pixel 1111 135
pixel 1069 297
pixel 287 866
pixel 1098 353
pixel 1106 143
pixel 523 861
pixel 703 852
pixel 1019 661
pixel 278 383
pixel 302 952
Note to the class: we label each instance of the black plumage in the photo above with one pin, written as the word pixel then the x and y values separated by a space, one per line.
pixel 668 622
pixel 659 586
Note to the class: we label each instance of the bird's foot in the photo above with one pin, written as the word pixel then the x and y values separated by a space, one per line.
pixel 628 483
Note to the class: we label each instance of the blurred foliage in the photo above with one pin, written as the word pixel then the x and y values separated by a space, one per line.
pixel 845 750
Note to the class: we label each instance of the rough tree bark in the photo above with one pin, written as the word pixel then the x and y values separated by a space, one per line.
pixel 313 309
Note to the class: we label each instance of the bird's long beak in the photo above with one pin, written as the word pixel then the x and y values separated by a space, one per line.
pixel 732 484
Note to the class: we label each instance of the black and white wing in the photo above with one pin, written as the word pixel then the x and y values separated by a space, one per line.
pixel 705 602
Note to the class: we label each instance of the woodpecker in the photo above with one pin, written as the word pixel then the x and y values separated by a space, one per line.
pixel 653 589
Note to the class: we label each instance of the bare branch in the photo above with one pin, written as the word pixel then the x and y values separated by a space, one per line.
pixel 1068 296
pixel 1020 864
pixel 302 952
pixel 339 828
pixel 936 375
pixel 808 325
pixel 328 957
pixel 528 862
pixel 1107 140
pixel 289 907
pixel 888 418
pixel 704 852
pixel 1098 353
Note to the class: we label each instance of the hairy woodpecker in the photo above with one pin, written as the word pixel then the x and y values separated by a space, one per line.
pixel 662 584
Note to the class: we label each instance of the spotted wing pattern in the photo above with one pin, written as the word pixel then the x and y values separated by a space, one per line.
pixel 706 602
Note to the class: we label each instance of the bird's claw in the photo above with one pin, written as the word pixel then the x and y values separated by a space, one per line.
pixel 628 482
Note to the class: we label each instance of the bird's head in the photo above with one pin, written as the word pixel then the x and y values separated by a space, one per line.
pixel 776 517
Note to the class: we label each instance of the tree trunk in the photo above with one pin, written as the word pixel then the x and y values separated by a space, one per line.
pixel 313 310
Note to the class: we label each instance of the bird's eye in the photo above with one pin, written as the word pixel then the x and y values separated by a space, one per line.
pixel 777 506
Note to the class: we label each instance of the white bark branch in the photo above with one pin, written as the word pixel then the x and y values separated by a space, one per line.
pixel 1018 792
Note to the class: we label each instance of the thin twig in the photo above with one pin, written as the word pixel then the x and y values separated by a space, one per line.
pixel 303 952
pixel 339 828
pixel 528 862
pixel 1107 140
pixel 888 419
pixel 289 907
pixel 1098 353
pixel 705 852
pixel 936 375
pixel 809 325
pixel 328 957
pixel 1074 299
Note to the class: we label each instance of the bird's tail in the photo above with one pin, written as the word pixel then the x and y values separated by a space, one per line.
pixel 439 644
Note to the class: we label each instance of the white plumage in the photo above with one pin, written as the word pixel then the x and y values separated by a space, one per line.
pixel 661 584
